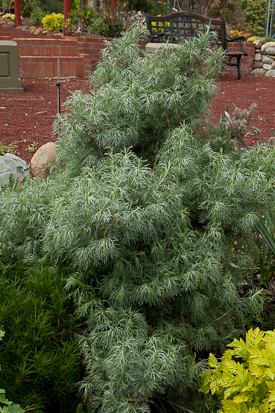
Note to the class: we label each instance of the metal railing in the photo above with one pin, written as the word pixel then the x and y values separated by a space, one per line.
pixel 269 18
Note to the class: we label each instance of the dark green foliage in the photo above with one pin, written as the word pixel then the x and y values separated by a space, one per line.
pixel 152 7
pixel 52 6
pixel 40 361
pixel 255 15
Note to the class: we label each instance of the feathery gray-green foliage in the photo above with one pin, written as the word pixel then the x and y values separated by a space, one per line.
pixel 137 101
pixel 147 214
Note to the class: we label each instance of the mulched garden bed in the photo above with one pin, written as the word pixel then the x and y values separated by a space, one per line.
pixel 26 118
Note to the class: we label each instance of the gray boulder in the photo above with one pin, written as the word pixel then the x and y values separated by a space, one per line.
pixel 267 45
pixel 12 164
pixel 270 73
pixel 270 50
pixel 259 72
pixel 266 60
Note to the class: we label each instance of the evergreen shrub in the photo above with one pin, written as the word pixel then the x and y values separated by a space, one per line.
pixel 153 216
pixel 6 406
pixel 53 21
pixel 255 15
pixel 40 361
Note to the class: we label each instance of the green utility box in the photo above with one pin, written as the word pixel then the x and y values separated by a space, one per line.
pixel 9 67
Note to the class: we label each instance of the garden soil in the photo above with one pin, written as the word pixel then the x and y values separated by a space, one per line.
pixel 27 118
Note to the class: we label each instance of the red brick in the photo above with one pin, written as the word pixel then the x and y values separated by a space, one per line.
pixel 41 70
pixel 44 50
pixel 98 47
pixel 20 50
pixel 58 50
pixel 50 50
pixel 72 50
pixel 35 50
pixel 79 69
pixel 65 70
pixel 73 69
pixel 49 69
pixel 33 69
pixel 25 70
pixel 65 50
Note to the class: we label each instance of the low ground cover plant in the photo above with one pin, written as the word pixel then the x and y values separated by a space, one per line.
pixel 152 212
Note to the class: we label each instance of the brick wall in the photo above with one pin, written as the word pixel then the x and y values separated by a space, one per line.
pixel 78 56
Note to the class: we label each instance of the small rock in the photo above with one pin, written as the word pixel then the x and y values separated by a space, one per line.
pixel 258 57
pixel 267 60
pixel 270 73
pixel 32 29
pixel 10 24
pixel 257 65
pixel 267 45
pixel 258 43
pixel 43 160
pixel 38 30
pixel 270 51
pixel 259 72
pixel 268 67
pixel 12 164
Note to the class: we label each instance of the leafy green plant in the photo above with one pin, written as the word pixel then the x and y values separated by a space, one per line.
pixel 266 228
pixel 52 6
pixel 8 407
pixel 53 21
pixel 243 380
pixel 88 15
pixel 32 147
pixel 37 15
pixel 255 14
pixel 12 148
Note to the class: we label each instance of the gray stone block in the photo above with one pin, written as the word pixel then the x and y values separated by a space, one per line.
pixel 258 72
pixel 12 164
pixel 9 67
pixel 270 73
pixel 266 60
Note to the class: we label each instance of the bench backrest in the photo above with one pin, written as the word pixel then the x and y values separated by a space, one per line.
pixel 183 25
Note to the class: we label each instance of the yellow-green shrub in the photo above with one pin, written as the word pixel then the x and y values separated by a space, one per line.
pixel 9 16
pixel 244 379
pixel 53 21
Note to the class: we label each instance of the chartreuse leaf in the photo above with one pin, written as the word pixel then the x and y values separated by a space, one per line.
pixel 3 398
pixel 240 399
pixel 246 385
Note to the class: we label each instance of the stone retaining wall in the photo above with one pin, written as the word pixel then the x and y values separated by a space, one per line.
pixel 264 61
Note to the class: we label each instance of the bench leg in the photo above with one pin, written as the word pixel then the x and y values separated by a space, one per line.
pixel 239 67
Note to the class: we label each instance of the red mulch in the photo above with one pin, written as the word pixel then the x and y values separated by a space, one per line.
pixel 26 118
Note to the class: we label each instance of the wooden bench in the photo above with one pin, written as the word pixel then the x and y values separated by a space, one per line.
pixel 183 25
